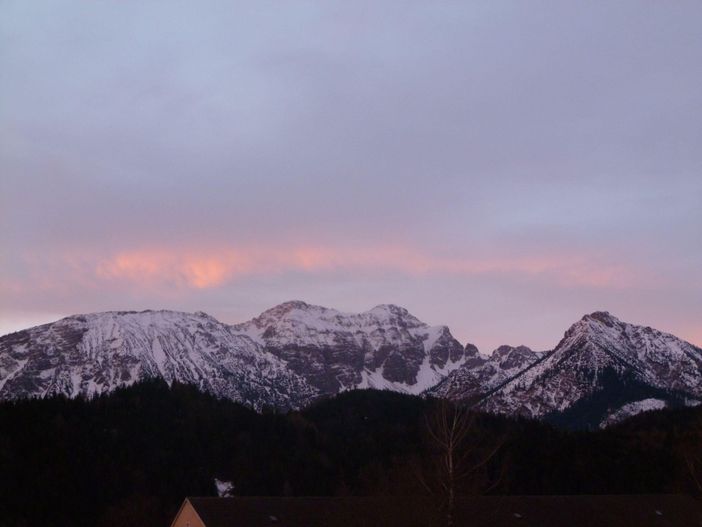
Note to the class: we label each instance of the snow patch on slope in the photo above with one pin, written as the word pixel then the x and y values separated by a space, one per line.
pixel 633 408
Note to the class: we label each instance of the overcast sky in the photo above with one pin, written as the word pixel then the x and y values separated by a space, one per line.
pixel 499 167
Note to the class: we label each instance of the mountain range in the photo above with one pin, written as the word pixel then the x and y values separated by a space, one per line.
pixel 602 371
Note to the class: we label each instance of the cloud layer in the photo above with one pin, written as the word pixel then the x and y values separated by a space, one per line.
pixel 502 168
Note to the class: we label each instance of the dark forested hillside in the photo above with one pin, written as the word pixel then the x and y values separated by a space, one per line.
pixel 129 458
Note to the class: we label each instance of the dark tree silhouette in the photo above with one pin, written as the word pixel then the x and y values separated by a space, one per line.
pixel 462 451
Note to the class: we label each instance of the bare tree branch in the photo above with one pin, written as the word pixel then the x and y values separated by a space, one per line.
pixel 453 432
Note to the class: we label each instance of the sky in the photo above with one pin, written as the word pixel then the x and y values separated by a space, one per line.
pixel 499 167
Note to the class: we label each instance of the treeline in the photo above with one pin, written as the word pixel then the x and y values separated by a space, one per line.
pixel 129 458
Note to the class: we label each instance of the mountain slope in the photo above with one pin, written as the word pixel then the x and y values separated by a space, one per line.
pixel 286 357
pixel 601 354
pixel 385 347
pixel 96 353
pixel 602 370
pixel 478 376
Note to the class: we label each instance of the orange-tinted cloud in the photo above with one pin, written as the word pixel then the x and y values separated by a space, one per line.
pixel 214 267
pixel 149 267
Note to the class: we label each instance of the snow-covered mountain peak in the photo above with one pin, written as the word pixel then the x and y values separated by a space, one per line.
pixel 597 322
pixel 292 308
pixel 391 311
pixel 603 331
pixel 603 317
pixel 510 357
pixel 597 333
pixel 505 351
pixel 299 319
pixel 95 353
pixel 295 352
pixel 293 304
pixel 117 320
pixel 471 350
pixel 390 308
pixel 479 375
pixel 598 353
pixel 384 347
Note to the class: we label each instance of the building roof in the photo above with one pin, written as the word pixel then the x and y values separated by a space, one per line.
pixel 492 511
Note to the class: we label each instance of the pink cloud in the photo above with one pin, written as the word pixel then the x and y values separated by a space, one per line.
pixel 209 268
pixel 149 267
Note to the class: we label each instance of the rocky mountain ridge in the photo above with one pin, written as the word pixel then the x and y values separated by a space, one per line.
pixel 479 375
pixel 286 357
pixel 385 347
pixel 92 354
pixel 601 371
pixel 603 359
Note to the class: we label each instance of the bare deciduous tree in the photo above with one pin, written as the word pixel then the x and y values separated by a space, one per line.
pixel 452 431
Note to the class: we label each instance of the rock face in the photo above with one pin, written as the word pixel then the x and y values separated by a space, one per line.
pixel 286 357
pixel 478 376
pixel 601 364
pixel 385 347
pixel 93 354
pixel 602 371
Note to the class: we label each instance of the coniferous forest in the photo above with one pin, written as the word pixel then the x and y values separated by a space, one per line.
pixel 129 458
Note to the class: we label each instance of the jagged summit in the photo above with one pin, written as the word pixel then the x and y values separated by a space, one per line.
pixel 286 356
pixel 471 350
pixel 299 308
pixel 506 350
pixel 384 347
pixel 391 309
pixel 295 352
pixel 592 320
pixel 602 368
pixel 600 357
pixel 602 316
pixel 294 304
pixel 287 307
pixel 95 353
pixel 479 375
